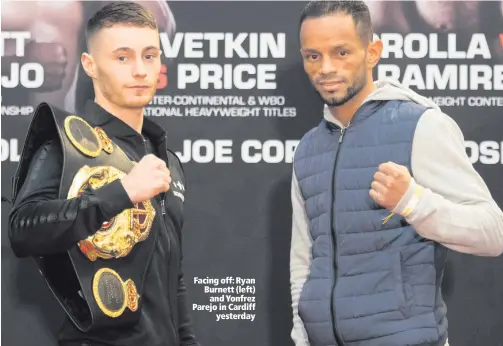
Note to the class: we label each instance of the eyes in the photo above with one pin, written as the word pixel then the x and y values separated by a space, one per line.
pixel 148 57
pixel 315 56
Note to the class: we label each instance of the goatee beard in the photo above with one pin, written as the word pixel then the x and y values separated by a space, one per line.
pixel 351 92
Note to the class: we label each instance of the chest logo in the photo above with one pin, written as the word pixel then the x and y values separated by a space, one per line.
pixel 178 190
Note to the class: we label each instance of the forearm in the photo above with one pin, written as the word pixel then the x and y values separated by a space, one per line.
pixel 456 208
pixel 474 228
pixel 50 226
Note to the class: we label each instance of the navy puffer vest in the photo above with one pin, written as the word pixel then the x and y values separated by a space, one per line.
pixel 370 284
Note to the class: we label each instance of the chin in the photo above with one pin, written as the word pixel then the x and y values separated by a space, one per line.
pixel 138 102
pixel 331 98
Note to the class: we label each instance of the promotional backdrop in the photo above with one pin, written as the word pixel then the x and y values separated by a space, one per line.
pixel 235 101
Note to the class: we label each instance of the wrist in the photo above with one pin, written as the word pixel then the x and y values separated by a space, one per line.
pixel 409 200
pixel 113 199
pixel 130 190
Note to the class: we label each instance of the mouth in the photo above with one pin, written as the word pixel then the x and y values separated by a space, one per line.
pixel 331 85
pixel 331 82
pixel 139 87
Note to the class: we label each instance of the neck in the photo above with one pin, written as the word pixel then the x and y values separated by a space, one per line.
pixel 133 117
pixel 346 112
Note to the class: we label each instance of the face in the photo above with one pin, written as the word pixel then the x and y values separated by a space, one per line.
pixel 335 59
pixel 124 62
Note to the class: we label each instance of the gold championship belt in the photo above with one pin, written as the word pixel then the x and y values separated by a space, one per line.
pixel 98 281
pixel 116 237
pixel 112 294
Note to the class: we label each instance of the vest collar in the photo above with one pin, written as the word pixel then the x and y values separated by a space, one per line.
pixel 366 109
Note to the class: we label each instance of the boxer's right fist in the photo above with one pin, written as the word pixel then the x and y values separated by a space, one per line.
pixel 147 179
pixel 53 58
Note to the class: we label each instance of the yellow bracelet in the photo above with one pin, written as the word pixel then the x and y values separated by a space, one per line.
pixel 418 192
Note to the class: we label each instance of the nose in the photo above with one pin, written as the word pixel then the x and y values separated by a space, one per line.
pixel 139 70
pixel 327 66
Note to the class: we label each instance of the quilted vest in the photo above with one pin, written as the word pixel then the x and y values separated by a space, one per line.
pixel 370 283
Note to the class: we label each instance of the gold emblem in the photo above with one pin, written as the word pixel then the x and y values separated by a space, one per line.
pixel 106 142
pixel 116 237
pixel 112 294
pixel 83 136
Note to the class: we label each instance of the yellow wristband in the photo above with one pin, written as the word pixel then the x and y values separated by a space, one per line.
pixel 418 192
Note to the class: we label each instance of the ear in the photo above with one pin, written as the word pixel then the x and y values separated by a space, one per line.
pixel 88 64
pixel 374 52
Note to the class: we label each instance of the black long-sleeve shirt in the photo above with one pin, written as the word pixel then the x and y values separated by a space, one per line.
pixel 41 224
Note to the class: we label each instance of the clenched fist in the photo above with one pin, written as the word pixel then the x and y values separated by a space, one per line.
pixel 147 179
pixel 53 58
pixel 390 184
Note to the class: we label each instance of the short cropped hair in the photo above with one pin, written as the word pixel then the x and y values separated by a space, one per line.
pixel 356 9
pixel 119 12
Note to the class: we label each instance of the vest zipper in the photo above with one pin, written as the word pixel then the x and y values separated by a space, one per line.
pixel 335 247
pixel 163 212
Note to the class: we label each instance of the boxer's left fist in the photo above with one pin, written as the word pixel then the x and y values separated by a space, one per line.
pixel 390 184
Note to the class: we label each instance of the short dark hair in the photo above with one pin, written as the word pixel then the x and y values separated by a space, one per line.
pixel 119 12
pixel 357 9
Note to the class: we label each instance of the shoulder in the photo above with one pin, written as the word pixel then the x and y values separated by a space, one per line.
pixel 48 151
pixel 437 125
pixel 302 149
pixel 307 138
pixel 405 109
pixel 176 169
pixel 174 160
pixel 41 163
pixel 309 135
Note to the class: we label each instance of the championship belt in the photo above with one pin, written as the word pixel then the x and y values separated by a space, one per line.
pixel 110 265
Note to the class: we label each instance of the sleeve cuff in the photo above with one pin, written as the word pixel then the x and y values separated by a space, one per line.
pixel 114 199
pixel 410 200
